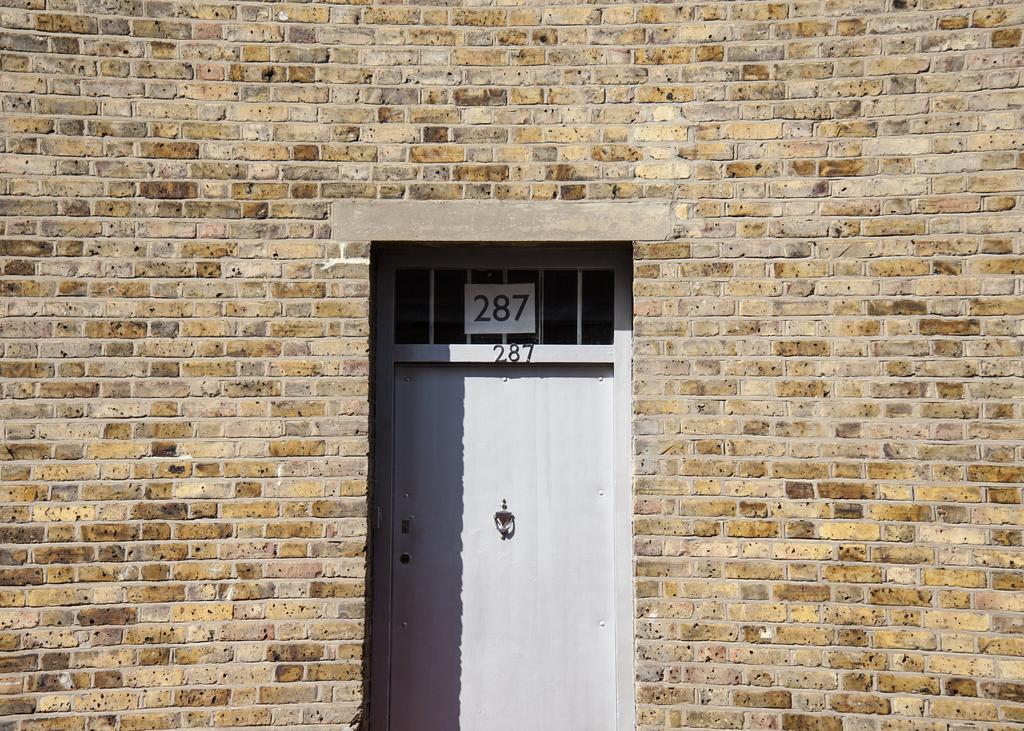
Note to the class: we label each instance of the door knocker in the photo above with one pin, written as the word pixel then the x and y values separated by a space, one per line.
pixel 505 521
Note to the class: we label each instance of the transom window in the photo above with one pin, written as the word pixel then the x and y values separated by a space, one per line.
pixel 556 306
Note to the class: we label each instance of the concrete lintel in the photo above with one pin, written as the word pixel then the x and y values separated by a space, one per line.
pixel 511 221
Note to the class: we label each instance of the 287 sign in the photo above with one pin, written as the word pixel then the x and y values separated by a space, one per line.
pixel 498 309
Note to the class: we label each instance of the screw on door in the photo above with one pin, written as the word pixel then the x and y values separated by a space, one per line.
pixel 505 521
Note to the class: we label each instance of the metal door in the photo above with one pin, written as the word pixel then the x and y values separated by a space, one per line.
pixel 513 629
pixel 502 544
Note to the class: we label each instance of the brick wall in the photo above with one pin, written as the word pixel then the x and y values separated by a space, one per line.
pixel 830 437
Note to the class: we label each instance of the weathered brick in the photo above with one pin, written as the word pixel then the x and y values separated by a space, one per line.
pixel 826 349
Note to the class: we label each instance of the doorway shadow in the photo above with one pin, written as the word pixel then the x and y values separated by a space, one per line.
pixel 426 625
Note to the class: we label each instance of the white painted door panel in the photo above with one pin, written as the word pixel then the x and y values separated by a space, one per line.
pixel 491 634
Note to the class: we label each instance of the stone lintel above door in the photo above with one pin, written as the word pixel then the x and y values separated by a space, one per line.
pixel 502 221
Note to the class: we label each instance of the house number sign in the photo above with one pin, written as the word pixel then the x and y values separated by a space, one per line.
pixel 499 309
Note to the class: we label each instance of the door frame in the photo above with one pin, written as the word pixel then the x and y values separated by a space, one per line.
pixel 385 355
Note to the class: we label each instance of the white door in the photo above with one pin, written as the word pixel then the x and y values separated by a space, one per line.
pixel 494 631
